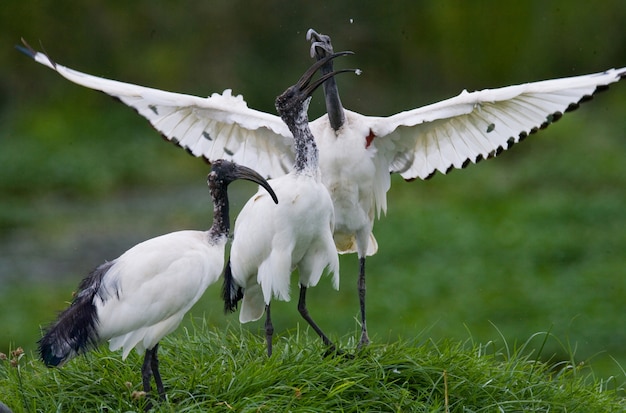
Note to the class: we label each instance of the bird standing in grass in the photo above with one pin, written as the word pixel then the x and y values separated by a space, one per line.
pixel 297 234
pixel 357 152
pixel 138 298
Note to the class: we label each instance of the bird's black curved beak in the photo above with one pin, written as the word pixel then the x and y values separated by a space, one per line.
pixel 305 85
pixel 242 172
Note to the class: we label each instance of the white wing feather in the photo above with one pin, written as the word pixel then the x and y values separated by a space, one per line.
pixel 220 126
pixel 454 132
pixel 415 143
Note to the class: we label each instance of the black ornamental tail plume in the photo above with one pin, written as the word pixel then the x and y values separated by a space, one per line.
pixel 231 292
pixel 75 330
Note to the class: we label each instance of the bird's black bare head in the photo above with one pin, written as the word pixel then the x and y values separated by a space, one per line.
pixel 321 45
pixel 224 172
pixel 292 99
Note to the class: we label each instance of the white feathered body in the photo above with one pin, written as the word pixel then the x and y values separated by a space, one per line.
pixel 149 288
pixel 356 179
pixel 272 242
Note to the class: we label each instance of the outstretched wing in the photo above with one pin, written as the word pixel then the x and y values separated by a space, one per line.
pixel 472 126
pixel 217 127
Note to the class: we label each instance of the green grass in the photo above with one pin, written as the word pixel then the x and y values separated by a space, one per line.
pixel 206 369
pixel 531 241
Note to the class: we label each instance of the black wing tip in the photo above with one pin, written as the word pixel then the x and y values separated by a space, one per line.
pixel 28 52
pixel 32 53
pixel 26 49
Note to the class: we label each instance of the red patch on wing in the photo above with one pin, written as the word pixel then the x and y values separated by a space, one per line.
pixel 369 138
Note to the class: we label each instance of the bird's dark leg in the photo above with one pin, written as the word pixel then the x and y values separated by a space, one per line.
pixel 149 369
pixel 269 330
pixel 365 340
pixel 305 314
pixel 154 365
pixel 146 371
pixel 146 374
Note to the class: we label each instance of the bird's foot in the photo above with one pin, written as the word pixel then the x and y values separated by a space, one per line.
pixel 321 45
pixel 365 340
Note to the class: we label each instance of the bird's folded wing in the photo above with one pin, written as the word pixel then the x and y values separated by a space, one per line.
pixel 472 126
pixel 216 127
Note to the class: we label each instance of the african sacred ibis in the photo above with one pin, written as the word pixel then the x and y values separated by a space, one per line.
pixel 138 298
pixel 297 234
pixel 357 152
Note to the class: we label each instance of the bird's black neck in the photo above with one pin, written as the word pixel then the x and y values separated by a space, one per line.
pixel 221 219
pixel 334 108
pixel 307 158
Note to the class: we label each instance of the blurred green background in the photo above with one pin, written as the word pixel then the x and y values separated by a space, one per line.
pixel 531 241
